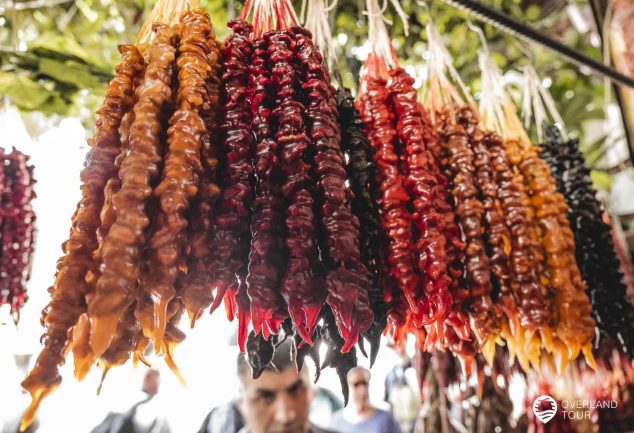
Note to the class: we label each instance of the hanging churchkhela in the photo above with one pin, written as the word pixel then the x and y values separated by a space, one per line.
pixel 425 252
pixel 595 250
pixel 360 174
pixel 121 280
pixel 287 244
pixel 555 318
pixel 236 174
pixel 17 228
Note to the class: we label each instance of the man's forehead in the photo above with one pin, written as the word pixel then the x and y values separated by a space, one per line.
pixel 274 381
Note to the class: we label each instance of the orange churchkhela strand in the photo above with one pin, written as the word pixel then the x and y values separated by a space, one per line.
pixel 115 288
pixel 70 285
pixel 136 193
pixel 554 311
pixel 181 169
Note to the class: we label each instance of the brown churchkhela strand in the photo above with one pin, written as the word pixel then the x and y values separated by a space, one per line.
pixel 115 287
pixel 495 235
pixel 83 355
pixel 531 297
pixel 68 291
pixel 460 164
pixel 457 330
pixel 181 169
pixel 196 293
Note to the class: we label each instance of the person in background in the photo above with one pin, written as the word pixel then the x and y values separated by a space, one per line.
pixel 400 392
pixel 144 416
pixel 279 400
pixel 360 416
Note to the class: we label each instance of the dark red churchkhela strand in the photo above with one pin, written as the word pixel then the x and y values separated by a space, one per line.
pixel 347 279
pixel 420 181
pixel 302 284
pixel 393 201
pixel 267 236
pixel 233 214
pixel 17 221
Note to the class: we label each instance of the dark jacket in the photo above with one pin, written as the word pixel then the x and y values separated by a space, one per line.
pixel 223 419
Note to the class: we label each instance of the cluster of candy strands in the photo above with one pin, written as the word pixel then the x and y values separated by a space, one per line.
pixel 595 249
pixel 17 228
pixel 483 289
pixel 554 311
pixel 528 304
pixel 287 243
pixel 424 249
pixel 147 188
pixel 361 172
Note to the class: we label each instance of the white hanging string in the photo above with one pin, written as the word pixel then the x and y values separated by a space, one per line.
pixel 492 94
pixel 552 109
pixel 538 104
pixel 314 16
pixel 378 36
pixel 443 65
pixel 401 13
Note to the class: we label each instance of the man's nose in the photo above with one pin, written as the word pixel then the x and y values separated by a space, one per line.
pixel 285 412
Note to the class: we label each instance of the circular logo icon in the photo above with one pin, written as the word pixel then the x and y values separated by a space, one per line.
pixel 544 408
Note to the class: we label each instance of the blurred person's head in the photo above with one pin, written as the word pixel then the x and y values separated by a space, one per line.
pixel 151 382
pixel 359 383
pixel 278 401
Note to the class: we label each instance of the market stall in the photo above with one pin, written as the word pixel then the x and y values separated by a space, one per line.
pixel 429 212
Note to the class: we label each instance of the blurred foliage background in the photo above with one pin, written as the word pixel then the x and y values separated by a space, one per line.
pixel 57 56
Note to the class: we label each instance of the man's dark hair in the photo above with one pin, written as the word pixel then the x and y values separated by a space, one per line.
pixel 282 359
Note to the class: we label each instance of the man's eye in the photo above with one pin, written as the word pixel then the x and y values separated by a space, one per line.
pixel 297 388
pixel 266 397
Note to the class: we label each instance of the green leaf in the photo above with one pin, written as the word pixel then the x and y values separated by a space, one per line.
pixel 65 47
pixel 601 180
pixel 23 91
pixel 70 72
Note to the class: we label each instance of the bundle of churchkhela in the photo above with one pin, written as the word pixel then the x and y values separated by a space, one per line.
pixel 237 174
pixel 423 246
pixel 17 228
pixel 292 260
pixel 594 246
pixel 595 250
pixel 131 259
pixel 553 308
pixel 361 173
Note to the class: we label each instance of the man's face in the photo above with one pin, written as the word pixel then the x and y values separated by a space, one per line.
pixel 151 382
pixel 277 402
pixel 359 384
